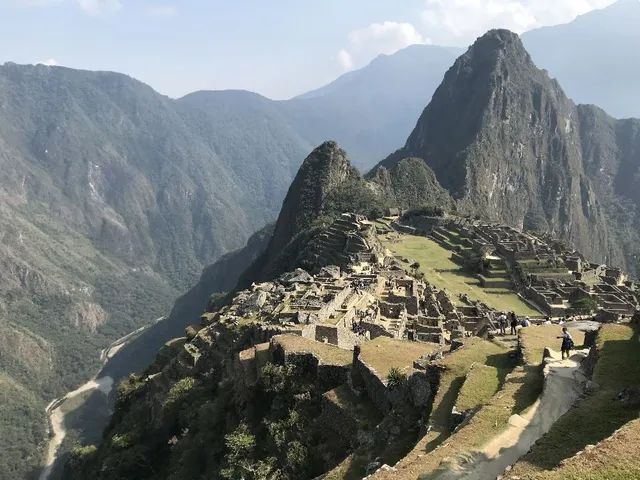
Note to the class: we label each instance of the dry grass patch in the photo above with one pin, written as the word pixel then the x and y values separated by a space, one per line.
pixel 328 354
pixel 434 259
pixel 383 354
pixel 535 339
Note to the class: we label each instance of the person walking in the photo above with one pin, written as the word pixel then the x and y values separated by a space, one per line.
pixel 502 323
pixel 567 343
pixel 514 324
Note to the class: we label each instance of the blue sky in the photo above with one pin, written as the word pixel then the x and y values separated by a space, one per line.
pixel 279 48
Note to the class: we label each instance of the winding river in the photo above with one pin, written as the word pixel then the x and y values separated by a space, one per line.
pixel 102 383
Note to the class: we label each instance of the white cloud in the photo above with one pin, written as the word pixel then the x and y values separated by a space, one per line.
pixel 367 43
pixel 98 7
pixel 345 59
pixel 163 11
pixel 460 22
pixel 50 63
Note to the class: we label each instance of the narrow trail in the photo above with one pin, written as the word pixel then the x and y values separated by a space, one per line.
pixel 563 384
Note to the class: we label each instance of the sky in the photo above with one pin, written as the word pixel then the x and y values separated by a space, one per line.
pixel 278 48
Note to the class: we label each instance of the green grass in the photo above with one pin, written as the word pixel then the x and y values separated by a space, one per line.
pixel 618 365
pixel 433 257
pixel 613 459
pixel 597 416
pixel 481 383
pixel 520 390
pixel 456 365
pixel 535 339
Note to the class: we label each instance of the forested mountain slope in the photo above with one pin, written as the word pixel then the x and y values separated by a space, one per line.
pixel 112 199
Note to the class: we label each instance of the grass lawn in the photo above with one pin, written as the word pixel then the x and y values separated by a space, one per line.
pixel 328 354
pixel 432 257
pixel 597 416
pixel 482 382
pixel 536 338
pixel 384 353
pixel 613 459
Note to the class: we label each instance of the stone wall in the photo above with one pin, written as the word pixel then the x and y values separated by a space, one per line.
pixel 426 224
pixel 373 385
pixel 411 303
pixel 335 335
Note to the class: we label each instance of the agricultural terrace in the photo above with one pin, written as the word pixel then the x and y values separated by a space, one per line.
pixel 439 270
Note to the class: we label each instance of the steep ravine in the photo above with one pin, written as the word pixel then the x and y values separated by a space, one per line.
pixel 101 382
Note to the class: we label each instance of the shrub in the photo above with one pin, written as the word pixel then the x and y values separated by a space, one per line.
pixel 396 378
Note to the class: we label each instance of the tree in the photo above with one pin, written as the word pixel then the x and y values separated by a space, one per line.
pixel 584 306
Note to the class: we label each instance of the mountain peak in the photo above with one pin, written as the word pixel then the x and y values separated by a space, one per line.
pixel 326 168
pixel 497 43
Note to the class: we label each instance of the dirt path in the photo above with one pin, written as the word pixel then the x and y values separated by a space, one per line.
pixel 564 383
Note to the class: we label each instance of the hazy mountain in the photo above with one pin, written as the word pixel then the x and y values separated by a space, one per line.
pixel 595 57
pixel 369 111
pixel 112 199
pixel 504 139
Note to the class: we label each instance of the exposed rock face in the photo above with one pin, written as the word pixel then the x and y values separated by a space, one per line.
pixel 505 140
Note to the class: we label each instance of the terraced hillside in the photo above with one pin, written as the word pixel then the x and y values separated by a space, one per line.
pixel 438 265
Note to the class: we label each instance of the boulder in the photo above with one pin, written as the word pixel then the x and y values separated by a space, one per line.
pixel 331 271
pixel 297 276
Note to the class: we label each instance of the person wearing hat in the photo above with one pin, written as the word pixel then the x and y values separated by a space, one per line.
pixel 526 322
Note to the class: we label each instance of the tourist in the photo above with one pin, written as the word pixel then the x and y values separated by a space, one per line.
pixel 567 343
pixel 502 322
pixel 525 322
pixel 514 324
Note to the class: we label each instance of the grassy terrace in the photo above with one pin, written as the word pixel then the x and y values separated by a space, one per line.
pixel 435 262
pixel 613 459
pixel 520 390
pixel 535 339
pixel 328 354
pixel 384 353
pixel 456 366
pixel 597 416
pixel 481 382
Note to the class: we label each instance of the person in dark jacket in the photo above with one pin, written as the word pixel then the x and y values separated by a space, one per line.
pixel 514 324
pixel 567 343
